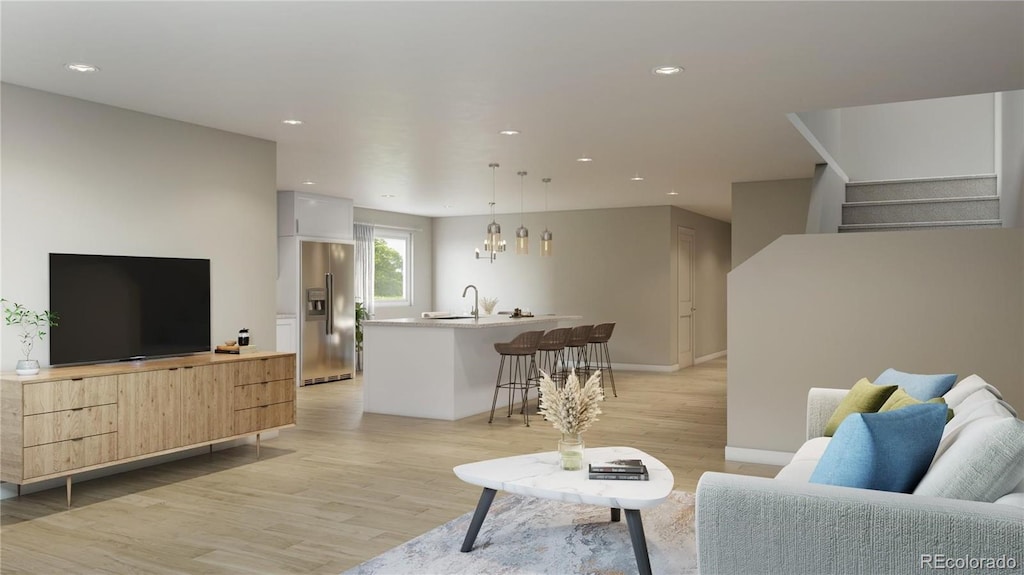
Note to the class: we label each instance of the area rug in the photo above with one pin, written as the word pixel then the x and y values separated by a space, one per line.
pixel 526 535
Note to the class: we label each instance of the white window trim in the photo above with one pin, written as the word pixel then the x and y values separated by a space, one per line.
pixel 385 232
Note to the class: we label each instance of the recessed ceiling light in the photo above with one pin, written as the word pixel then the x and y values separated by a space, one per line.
pixel 672 193
pixel 308 183
pixel 667 70
pixel 637 178
pixel 292 122
pixel 509 132
pixel 80 67
pixel 387 195
pixel 448 206
pixel 584 159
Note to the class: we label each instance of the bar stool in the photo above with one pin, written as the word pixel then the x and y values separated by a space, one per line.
pixel 579 337
pixel 551 354
pixel 597 353
pixel 522 370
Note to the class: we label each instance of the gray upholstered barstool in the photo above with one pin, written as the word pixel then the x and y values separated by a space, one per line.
pixel 522 370
pixel 598 356
pixel 551 353
pixel 576 350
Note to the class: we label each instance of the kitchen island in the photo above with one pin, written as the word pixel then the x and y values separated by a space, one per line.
pixel 440 368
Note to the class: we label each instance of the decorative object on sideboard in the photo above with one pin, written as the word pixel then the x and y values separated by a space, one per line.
pixel 571 409
pixel 32 325
pixel 546 238
pixel 243 336
pixel 522 234
pixel 487 304
pixel 493 244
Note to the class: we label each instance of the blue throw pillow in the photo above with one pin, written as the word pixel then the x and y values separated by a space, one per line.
pixel 921 387
pixel 887 451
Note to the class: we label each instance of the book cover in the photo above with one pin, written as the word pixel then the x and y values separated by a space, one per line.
pixel 642 476
pixel 618 466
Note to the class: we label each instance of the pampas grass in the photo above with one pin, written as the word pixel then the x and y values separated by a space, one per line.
pixel 571 409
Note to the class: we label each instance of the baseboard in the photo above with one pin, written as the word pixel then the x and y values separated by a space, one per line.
pixel 644 367
pixel 8 490
pixel 711 356
pixel 746 455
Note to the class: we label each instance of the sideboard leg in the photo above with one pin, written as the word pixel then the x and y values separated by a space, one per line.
pixel 211 449
pixel 19 490
pixel 257 446
pixel 67 482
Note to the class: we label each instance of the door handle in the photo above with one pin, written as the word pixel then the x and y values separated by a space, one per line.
pixel 329 285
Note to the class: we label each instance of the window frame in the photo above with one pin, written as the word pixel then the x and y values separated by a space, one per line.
pixel 386 233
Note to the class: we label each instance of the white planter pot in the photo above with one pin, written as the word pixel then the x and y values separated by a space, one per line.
pixel 27 367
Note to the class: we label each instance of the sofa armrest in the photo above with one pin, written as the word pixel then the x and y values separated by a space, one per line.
pixel 821 403
pixel 755 525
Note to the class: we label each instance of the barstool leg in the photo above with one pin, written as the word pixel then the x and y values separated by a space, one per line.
pixel 611 374
pixel 497 386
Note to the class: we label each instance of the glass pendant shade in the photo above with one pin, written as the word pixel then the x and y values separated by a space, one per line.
pixel 546 243
pixel 493 241
pixel 522 241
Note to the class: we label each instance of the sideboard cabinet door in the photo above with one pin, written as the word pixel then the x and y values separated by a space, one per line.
pixel 149 412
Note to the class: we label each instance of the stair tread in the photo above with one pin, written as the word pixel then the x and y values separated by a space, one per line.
pixel 915 180
pixel 923 224
pixel 921 201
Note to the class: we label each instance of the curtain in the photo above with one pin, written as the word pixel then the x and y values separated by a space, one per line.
pixel 364 265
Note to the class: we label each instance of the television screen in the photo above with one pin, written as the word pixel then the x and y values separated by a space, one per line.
pixel 121 307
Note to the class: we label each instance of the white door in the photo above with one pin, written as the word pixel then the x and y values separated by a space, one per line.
pixel 685 290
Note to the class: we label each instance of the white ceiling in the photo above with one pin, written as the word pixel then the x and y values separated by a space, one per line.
pixel 408 98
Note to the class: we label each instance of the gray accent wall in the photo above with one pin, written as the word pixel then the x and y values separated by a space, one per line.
pixel 763 211
pixel 81 177
pixel 610 265
pixel 1011 187
pixel 825 310
pixel 422 230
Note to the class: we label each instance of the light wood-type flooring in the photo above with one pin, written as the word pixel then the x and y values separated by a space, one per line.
pixel 339 488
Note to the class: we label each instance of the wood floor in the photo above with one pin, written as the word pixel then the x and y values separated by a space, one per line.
pixel 340 488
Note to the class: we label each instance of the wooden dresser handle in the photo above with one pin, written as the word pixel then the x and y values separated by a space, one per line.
pixel 77 378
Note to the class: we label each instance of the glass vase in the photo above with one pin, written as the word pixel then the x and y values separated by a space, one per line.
pixel 570 451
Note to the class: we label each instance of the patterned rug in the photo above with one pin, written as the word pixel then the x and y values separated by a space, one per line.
pixel 526 535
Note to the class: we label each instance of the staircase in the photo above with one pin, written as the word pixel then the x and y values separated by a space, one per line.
pixel 927 203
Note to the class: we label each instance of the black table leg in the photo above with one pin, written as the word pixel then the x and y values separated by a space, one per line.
pixel 616 514
pixel 481 511
pixel 636 533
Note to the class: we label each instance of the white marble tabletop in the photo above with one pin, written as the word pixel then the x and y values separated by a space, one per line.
pixel 469 322
pixel 539 475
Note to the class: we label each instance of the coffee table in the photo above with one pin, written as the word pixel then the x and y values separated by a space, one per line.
pixel 539 475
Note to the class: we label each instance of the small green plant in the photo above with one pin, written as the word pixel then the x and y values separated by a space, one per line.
pixel 32 324
pixel 361 314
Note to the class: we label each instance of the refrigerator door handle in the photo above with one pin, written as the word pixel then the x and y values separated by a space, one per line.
pixel 329 286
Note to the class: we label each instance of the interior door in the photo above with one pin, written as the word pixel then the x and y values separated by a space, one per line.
pixel 684 253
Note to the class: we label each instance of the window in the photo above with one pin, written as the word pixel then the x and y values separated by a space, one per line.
pixel 392 267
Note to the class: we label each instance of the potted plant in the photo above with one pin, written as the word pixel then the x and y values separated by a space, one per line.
pixel 361 314
pixel 32 325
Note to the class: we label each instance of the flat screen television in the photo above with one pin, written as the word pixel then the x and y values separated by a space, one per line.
pixel 115 308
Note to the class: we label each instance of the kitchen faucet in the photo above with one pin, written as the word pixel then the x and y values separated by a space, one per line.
pixel 476 301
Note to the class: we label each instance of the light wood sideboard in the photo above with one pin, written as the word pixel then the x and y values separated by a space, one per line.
pixel 69 420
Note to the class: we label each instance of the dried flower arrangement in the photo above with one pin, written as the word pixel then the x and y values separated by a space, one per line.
pixel 571 409
pixel 488 303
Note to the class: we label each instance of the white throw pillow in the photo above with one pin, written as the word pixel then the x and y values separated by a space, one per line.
pixel 983 464
pixel 966 387
pixel 979 413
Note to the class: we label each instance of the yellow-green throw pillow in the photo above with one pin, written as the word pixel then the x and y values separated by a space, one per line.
pixel 900 399
pixel 864 397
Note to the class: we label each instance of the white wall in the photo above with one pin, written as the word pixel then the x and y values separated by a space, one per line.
pixel 824 310
pixel 1011 176
pixel 763 211
pixel 926 138
pixel 81 177
pixel 422 229
pixel 825 207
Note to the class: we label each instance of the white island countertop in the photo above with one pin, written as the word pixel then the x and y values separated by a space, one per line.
pixel 469 322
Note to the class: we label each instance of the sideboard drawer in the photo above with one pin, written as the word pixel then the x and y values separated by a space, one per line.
pixel 268 416
pixel 258 394
pixel 268 369
pixel 70 424
pixel 73 454
pixel 48 396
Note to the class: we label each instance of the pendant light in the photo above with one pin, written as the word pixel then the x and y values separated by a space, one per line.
pixel 492 242
pixel 545 236
pixel 522 234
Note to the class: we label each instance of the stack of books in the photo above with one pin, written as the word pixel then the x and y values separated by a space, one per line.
pixel 629 469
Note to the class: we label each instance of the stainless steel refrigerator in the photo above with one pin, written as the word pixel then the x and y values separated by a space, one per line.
pixel 327 281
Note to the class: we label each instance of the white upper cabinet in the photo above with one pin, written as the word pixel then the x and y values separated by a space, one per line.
pixel 302 214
